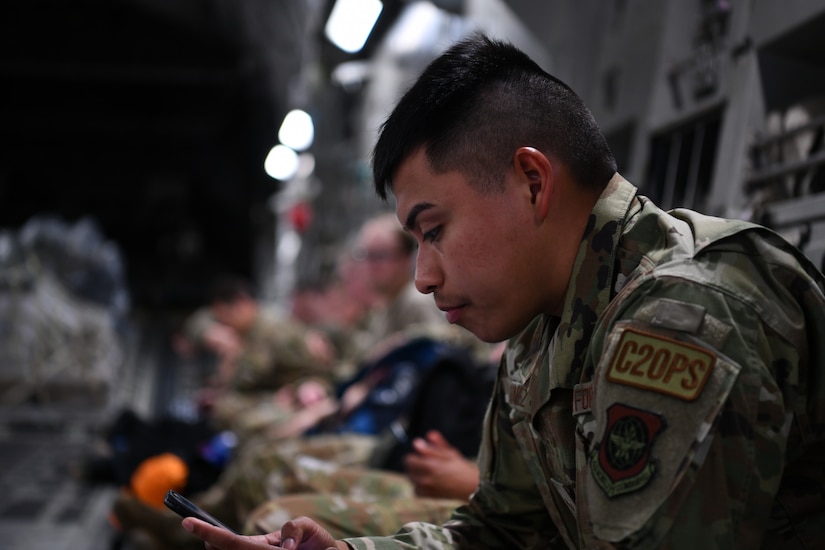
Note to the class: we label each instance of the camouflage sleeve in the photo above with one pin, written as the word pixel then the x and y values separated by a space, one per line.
pixel 700 405
pixel 506 511
pixel 274 355
pixel 292 353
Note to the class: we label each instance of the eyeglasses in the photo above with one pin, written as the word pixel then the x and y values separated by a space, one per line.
pixel 362 255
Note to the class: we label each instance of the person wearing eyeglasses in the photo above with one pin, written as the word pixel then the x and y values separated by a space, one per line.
pixel 388 252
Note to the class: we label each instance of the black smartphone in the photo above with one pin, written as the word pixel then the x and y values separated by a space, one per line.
pixel 185 508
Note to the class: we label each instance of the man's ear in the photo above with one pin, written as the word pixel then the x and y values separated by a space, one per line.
pixel 536 174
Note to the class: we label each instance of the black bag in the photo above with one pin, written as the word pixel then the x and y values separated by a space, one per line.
pixel 452 398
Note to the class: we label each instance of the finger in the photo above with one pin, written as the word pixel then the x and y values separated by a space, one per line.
pixel 414 463
pixel 304 531
pixel 436 438
pixel 419 476
pixel 217 538
pixel 425 448
pixel 294 532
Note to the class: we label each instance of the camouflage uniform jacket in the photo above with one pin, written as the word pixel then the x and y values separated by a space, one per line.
pixel 678 402
pixel 274 354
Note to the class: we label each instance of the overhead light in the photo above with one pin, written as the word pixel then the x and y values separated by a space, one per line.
pixel 289 246
pixel 350 23
pixel 306 165
pixel 350 75
pixel 297 130
pixel 281 163
pixel 417 28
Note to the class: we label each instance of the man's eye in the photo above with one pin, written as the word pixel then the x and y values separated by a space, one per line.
pixel 431 235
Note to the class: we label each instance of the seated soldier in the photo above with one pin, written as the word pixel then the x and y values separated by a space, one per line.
pixel 258 352
pixel 267 374
pixel 352 468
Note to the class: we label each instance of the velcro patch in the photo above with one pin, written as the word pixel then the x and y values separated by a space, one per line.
pixel 622 463
pixel 661 364
pixel 582 398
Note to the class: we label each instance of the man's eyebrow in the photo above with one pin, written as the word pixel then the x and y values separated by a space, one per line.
pixel 414 212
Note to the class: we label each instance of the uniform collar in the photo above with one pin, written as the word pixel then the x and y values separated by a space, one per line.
pixel 590 287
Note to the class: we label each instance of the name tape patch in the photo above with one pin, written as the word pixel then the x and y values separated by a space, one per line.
pixel 661 364
pixel 582 398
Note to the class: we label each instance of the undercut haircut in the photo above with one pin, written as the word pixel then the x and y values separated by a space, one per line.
pixel 475 105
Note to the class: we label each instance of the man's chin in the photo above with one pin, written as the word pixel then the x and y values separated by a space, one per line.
pixel 485 333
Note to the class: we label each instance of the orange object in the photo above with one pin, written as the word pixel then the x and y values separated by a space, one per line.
pixel 156 475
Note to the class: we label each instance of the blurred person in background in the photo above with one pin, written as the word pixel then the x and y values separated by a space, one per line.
pixel 388 252
pixel 399 341
pixel 267 372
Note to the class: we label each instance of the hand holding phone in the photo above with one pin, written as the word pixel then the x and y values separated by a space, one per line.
pixel 186 508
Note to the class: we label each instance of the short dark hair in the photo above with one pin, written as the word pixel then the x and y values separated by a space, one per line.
pixel 477 103
pixel 227 288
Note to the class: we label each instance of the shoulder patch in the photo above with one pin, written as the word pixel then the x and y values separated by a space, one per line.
pixel 622 463
pixel 650 425
pixel 657 363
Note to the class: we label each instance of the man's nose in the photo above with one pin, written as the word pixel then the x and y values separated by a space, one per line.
pixel 428 274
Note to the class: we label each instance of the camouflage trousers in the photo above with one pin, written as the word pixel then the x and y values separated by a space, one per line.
pixel 326 478
pixel 356 514
pixel 249 416
pixel 263 470
pixel 323 477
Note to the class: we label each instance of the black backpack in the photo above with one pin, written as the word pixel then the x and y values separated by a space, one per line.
pixel 452 397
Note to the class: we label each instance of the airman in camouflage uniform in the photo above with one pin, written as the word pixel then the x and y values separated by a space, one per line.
pixel 265 468
pixel 265 358
pixel 259 353
pixel 663 387
pixel 386 252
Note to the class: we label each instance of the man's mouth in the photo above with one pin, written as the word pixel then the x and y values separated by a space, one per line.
pixel 452 312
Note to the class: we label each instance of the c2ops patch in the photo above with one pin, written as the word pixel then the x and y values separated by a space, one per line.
pixel 657 363
pixel 622 463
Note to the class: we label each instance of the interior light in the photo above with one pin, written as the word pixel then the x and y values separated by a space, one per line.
pixel 289 246
pixel 306 165
pixel 297 130
pixel 350 75
pixel 417 28
pixel 350 23
pixel 281 163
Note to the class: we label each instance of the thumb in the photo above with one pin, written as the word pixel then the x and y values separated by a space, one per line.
pixel 437 439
